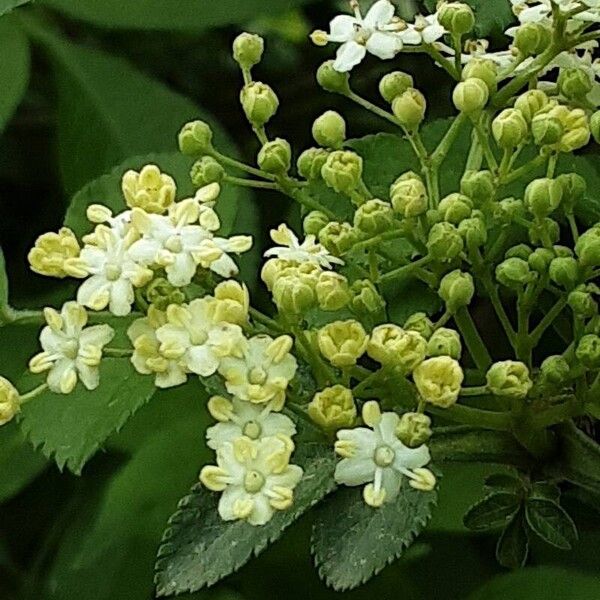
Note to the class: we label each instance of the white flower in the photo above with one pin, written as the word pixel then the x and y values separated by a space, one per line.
pixel 263 373
pixel 239 418
pixel 213 253
pixel 538 11
pixel 425 30
pixel 255 477
pixel 309 251
pixel 70 350
pixel 98 213
pixel 376 457
pixel 114 272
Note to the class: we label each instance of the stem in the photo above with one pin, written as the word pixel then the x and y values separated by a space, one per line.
pixel 404 269
pixel 479 390
pixel 376 240
pixel 442 61
pixel 380 112
pixel 266 321
pixel 118 352
pixel 548 319
pixel 467 415
pixel 251 183
pixel 483 138
pixel 474 342
pixel 526 169
pixel 23 398
pixel 448 140
pixel 240 165
pixel 573 226
pixel 551 168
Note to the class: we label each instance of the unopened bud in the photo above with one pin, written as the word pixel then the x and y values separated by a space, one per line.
pixel 509 379
pixel 314 221
pixel 581 300
pixel 588 351
pixel 444 242
pixel 310 163
pixel 409 108
pixel 595 126
pixel 539 260
pixel 470 96
pixel 484 69
pixel 409 195
pixel 248 49
pixel 205 171
pixel 564 271
pixel 514 273
pixel 543 231
pixel 331 80
pixel 531 103
pixel 329 130
pixel 394 84
pixel 555 369
pixel 509 128
pixel 473 232
pixel 574 83
pixel 10 403
pixel 574 189
pixel 456 17
pixel 259 103
pixel 587 247
pixel 532 38
pixel 342 171
pixel 444 342
pixel 333 292
pixel 414 429
pixel 543 196
pixel 195 138
pixel 456 290
pixel 337 237
pixel 333 408
pixel 546 129
pixel 366 298
pixel 374 217
pixel 420 323
pixel 275 157
pixel 455 207
pixel 478 185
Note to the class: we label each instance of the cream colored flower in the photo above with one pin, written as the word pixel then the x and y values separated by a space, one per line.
pixel 333 408
pixel 10 403
pixel 149 189
pixel 393 346
pixel 232 302
pixel 343 342
pixel 438 380
pixel 57 255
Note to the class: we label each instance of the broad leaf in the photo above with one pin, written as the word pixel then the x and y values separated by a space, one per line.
pixel 8 5
pixel 504 482
pixel 493 511
pixel 351 541
pixel 513 546
pixel 199 548
pixel 71 428
pixel 551 523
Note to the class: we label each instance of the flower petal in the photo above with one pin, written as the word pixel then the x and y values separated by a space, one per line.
pixel 380 14
pixel 348 56
pixel 384 45
pixel 341 28
pixel 355 471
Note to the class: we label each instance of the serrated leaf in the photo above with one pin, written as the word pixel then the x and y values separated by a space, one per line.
pixel 551 523
pixel 199 549
pixel 71 428
pixel 513 545
pixel 493 511
pixel 352 542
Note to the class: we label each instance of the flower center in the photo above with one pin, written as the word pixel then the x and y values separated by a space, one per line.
pixel 253 482
pixel 174 244
pixel 252 429
pixel 384 456
pixel 113 271
pixel 257 376
pixel 70 349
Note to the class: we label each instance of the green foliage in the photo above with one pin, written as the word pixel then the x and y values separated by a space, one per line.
pixel 513 545
pixel 199 548
pixel 493 511
pixel 350 550
pixel 8 5
pixel 551 523
pixel 3 284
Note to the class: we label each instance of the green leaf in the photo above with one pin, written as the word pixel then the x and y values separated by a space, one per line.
pixel 504 482
pixel 551 523
pixel 185 15
pixel 3 284
pixel 545 490
pixel 14 68
pixel 199 548
pixel 351 541
pixel 71 428
pixel 513 546
pixel 8 5
pixel 493 511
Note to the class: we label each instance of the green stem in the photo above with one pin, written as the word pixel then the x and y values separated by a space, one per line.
pixel 405 269
pixel 483 137
pixel 118 352
pixel 376 110
pixel 251 183
pixel 227 160
pixel 467 415
pixel 479 390
pixel 573 226
pixel 266 321
pixel 378 239
pixel 547 320
pixel 442 61
pixel 440 153
pixel 526 169
pixel 474 342
pixel 23 398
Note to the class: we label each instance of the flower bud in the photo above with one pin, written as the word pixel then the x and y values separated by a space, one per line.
pixel 508 209
pixel 509 128
pixel 439 380
pixel 342 342
pixel 310 163
pixel 555 369
pixel 546 129
pixel 456 290
pixel 543 196
pixel 456 17
pixel 532 38
pixel 374 217
pixel 414 429
pixel 455 207
pixel 205 171
pixel 544 230
pixel 531 103
pixel 509 379
pixel 333 291
pixel 470 96
pixel 10 403
pixel 444 242
pixel 409 108
pixel 275 157
pixel 161 294
pixel 574 189
pixel 57 255
pixel 514 273
pixel 342 171
pixel 473 232
pixel 333 408
pixel 232 302
pixel 409 195
pixel 587 247
pixel 259 103
pixel 444 342
pixel 595 126
pixel 581 301
pixel 195 138
pixel 294 293
pixel 338 238
pixel 522 251
pixel 539 260
pixel 562 250
pixel 420 323
pixel 574 83
pixel 394 84
pixel 564 271
pixel 248 50
pixel 329 130
pixel 392 346
pixel 272 270
pixel 331 80
pixel 366 298
pixel 150 190
pixel 484 69
pixel 574 139
pixel 314 221
pixel 478 185
pixel 588 351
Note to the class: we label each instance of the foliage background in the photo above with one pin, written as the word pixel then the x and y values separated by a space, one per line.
pixel 84 86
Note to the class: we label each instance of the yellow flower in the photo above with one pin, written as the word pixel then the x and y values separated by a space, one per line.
pixel 438 380
pixel 149 189
pixel 57 255
pixel 393 346
pixel 343 342
pixel 9 401
pixel 232 302
pixel 333 408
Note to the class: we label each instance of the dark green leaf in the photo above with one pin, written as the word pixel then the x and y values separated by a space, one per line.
pixel 8 5
pixel 505 482
pixel 513 545
pixel 545 490
pixel 199 548
pixel 352 542
pixel 493 511
pixel 551 523
pixel 3 284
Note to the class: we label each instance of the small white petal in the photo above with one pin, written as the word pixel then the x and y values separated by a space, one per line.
pixel 380 14
pixel 348 55
pixel 384 45
pixel 341 28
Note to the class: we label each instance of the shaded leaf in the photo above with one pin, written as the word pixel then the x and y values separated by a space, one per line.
pixel 551 523
pixel 505 482
pixel 8 5
pixel 493 511
pixel 513 546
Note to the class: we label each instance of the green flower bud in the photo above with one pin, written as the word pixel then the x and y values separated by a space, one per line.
pixel 310 163
pixel 329 130
pixel 259 103
pixel 509 379
pixel 160 293
pixel 470 96
pixel 10 401
pixel 365 297
pixel 531 103
pixel 409 195
pixel 420 323
pixel 338 238
pixel 294 293
pixel 342 171
pixel 587 247
pixel 414 429
pixel 562 251
pixel 581 301
pixel 484 69
pixel 394 84
pixel 539 260
pixel 574 189
pixel 574 83
pixel 532 38
pixel 433 216
pixel 409 108
pixel 555 369
pixel 275 157
pixel 514 273
pixel 248 50
pixel 456 17
pixel 392 346
pixel 444 242
pixel 509 128
pixel 333 292
pixel 588 351
pixel 455 207
pixel 314 221
pixel 522 251
pixel 456 290
pixel 195 138
pixel 508 209
pixel 438 380
pixel 575 139
pixel 546 129
pixel 542 231
pixel 595 126
pixel 331 80
pixel 373 217
pixel 205 171
pixel 333 408
pixel 478 185
pixel 543 196
pixel 444 342
pixel 564 271
pixel 342 342
pixel 473 232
